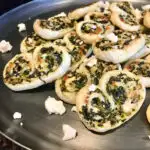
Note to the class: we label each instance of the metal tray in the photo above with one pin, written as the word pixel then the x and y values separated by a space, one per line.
pixel 40 130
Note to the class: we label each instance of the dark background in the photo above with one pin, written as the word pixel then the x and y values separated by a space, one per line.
pixel 6 5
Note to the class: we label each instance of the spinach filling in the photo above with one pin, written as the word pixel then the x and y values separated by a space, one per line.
pixel 75 40
pixel 59 42
pixel 140 68
pixel 34 40
pixel 125 6
pixel 79 81
pixel 51 60
pixel 105 45
pixel 99 69
pixel 124 38
pixel 103 114
pixel 118 91
pixel 77 54
pixel 89 27
pixel 19 72
pixel 101 19
pixel 147 41
pixel 128 19
pixel 57 23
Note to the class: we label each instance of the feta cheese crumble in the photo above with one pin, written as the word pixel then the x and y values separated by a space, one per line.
pixel 92 87
pixel 133 37
pixel 5 46
pixel 115 47
pixel 30 40
pixel 74 109
pixel 146 7
pixel 62 14
pixel 127 108
pixel 103 4
pixel 21 124
pixel 69 132
pixel 94 27
pixel 54 106
pixel 92 62
pixel 17 115
pixel 112 37
pixel 119 66
pixel 22 27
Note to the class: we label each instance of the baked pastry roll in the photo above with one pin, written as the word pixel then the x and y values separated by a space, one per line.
pixel 54 27
pixel 125 46
pixel 124 16
pixel 60 43
pixel 102 18
pixel 81 12
pixel 51 61
pixel 141 68
pixel 72 40
pixel 20 74
pixel 117 98
pixel 90 31
pixel 69 85
pixel 78 55
pixel 96 68
pixel 30 42
pixel 145 50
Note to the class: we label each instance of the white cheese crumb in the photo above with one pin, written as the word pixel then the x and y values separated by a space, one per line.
pixel 103 4
pixel 54 106
pixel 92 62
pixel 21 124
pixel 112 37
pixel 22 27
pixel 5 46
pixel 107 4
pixel 62 14
pixel 149 136
pixel 94 27
pixel 97 117
pixel 69 132
pixel 17 115
pixel 128 106
pixel 30 40
pixel 92 87
pixel 74 109
pixel 146 7
pixel 119 66
pixel 133 37
pixel 115 47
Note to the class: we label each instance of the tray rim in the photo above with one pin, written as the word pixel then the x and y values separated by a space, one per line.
pixel 28 4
